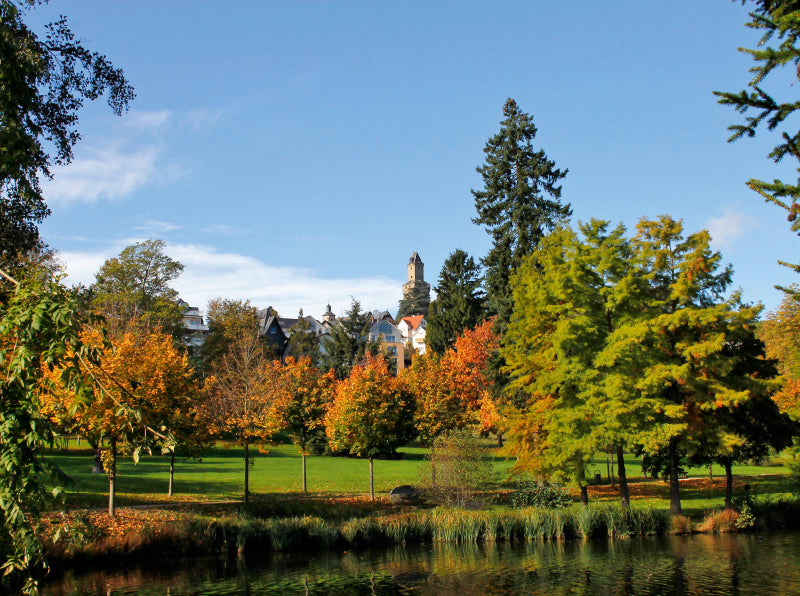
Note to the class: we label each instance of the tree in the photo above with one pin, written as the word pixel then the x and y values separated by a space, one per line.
pixel 371 414
pixel 40 327
pixel 303 342
pixel 146 397
pixel 519 204
pixel 242 397
pixel 459 301
pixel 778 20
pixel 569 295
pixel 227 320
pixel 135 286
pixel 415 302
pixel 780 332
pixel 45 82
pixel 348 342
pixel 302 411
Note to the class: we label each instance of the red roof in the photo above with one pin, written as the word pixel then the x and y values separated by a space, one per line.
pixel 414 321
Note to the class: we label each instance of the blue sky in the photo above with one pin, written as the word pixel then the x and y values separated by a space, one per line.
pixel 297 153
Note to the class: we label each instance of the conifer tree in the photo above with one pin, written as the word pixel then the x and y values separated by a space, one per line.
pixel 459 301
pixel 519 203
pixel 348 342
pixel 779 21
pixel 303 342
pixel 416 302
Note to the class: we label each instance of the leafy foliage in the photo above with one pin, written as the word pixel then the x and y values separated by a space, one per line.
pixel 540 493
pixel 416 302
pixel 40 330
pixel 135 286
pixel 45 82
pixel 228 320
pixel 303 342
pixel 348 343
pixel 460 467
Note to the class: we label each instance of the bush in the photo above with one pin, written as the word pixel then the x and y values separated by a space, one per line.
pixel 540 493
pixel 460 467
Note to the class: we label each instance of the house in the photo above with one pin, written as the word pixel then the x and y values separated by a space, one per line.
pixel 413 331
pixel 194 329
pixel 391 340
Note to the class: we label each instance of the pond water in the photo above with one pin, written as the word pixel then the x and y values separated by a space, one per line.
pixel 763 564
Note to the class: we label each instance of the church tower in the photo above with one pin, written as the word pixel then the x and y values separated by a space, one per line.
pixel 416 277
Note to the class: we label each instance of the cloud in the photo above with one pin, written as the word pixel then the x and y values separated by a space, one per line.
pixel 148 120
pixel 728 228
pixel 152 225
pixel 110 173
pixel 224 230
pixel 197 119
pixel 212 274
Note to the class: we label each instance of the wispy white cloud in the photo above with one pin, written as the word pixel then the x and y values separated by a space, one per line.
pixel 197 119
pixel 224 230
pixel 211 274
pixel 148 120
pixel 152 225
pixel 110 173
pixel 729 227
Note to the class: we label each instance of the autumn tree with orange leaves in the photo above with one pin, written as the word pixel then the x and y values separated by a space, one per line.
pixel 453 391
pixel 371 414
pixel 303 406
pixel 145 396
pixel 244 396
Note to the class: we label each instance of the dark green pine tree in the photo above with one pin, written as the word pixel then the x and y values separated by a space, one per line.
pixel 779 20
pixel 348 342
pixel 416 302
pixel 519 204
pixel 459 301
pixel 303 342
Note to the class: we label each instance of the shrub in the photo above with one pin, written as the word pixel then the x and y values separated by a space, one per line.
pixel 459 468
pixel 540 493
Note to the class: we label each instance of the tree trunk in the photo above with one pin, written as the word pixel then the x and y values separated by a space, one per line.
pixel 613 476
pixel 171 470
pixel 584 495
pixel 674 481
pixel 112 478
pixel 608 466
pixel 499 439
pixel 433 464
pixel 644 471
pixel 305 483
pixel 728 486
pixel 711 472
pixel 371 481
pixel 623 479
pixel 246 473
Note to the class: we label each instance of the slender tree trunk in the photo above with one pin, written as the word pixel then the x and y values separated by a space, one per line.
pixel 112 478
pixel 246 472
pixel 608 465
pixel 728 486
pixel 371 481
pixel 613 476
pixel 305 483
pixel 433 464
pixel 644 471
pixel 171 470
pixel 499 439
pixel 624 496
pixel 584 494
pixel 711 471
pixel 674 481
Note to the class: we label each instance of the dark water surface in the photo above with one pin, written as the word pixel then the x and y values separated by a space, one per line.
pixel 762 564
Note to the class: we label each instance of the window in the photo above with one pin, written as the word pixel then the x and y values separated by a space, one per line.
pixel 392 350
pixel 384 328
pixel 389 339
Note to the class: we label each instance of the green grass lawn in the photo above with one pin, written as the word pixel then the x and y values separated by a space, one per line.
pixel 220 476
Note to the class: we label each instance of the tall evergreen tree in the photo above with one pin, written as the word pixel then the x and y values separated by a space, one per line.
pixel 416 302
pixel 348 342
pixel 519 204
pixel 459 301
pixel 779 21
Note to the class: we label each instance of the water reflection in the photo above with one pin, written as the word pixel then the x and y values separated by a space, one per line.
pixel 729 565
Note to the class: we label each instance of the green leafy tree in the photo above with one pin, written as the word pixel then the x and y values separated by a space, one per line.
pixel 303 342
pixel 777 49
pixel 459 302
pixel 45 83
pixel 519 203
pixel 40 329
pixel 228 320
pixel 348 342
pixel 569 296
pixel 416 302
pixel 135 287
